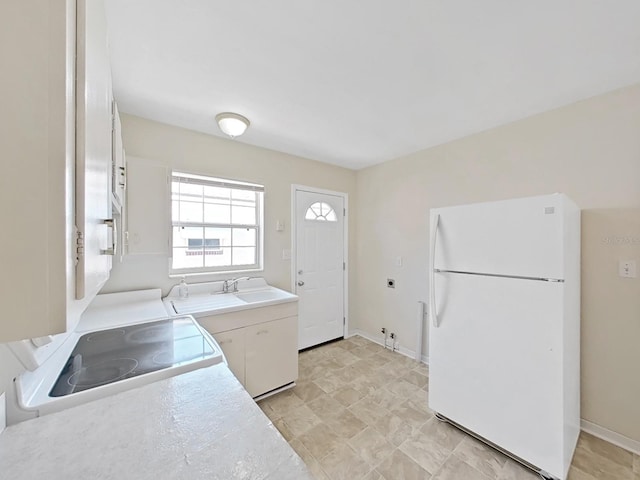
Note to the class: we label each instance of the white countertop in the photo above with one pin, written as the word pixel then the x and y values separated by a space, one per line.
pixel 207 298
pixel 198 425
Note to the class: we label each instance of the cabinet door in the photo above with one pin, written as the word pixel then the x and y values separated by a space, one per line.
pixel 147 199
pixel 93 148
pixel 271 355
pixel 232 344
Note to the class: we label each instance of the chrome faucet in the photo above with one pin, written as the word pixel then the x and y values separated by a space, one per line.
pixel 233 283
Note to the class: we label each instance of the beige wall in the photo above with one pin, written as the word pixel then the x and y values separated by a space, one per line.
pixel 590 151
pixel 205 154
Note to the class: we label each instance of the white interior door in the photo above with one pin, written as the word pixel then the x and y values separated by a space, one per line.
pixel 319 267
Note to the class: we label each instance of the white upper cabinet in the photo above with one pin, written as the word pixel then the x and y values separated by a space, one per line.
pixel 41 167
pixel 94 121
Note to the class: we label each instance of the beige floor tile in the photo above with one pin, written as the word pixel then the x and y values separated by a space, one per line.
pixel 311 462
pixel 344 464
pixel 329 383
pixel 576 474
pixel 387 397
pixel 483 458
pixel 299 421
pixel 365 385
pixel 429 455
pixel 284 402
pixel 394 429
pixel 363 352
pixel 416 378
pixel 371 446
pixel 442 433
pixel 376 361
pixel 368 411
pixel 456 469
pixel 265 406
pixel 348 374
pixel 399 466
pixel 600 467
pixel 515 471
pixel 321 440
pixel 283 429
pixel 307 391
pixel 402 388
pixel 358 340
pixel 422 368
pixel 347 395
pixel 391 370
pixel 347 345
pixel 414 417
pixel 419 402
pixel 362 367
pixel 345 424
pixel 324 406
pixel 374 475
pixel 606 449
pixel 345 357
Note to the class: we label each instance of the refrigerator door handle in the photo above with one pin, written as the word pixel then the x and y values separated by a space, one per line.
pixel 432 273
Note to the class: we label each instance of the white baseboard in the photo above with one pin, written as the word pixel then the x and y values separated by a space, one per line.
pixel 610 436
pixel 379 339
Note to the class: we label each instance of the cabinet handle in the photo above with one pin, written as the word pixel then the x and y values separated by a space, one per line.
pixel 110 222
pixel 262 332
pixel 122 182
pixel 300 283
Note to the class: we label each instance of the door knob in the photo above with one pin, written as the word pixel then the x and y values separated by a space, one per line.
pixel 300 283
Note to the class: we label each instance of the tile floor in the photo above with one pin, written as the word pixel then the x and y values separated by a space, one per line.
pixel 360 412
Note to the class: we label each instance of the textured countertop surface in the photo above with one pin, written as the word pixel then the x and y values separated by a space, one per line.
pixel 199 425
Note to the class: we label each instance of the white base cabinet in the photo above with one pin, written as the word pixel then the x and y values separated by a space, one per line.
pixel 233 346
pixel 271 355
pixel 261 345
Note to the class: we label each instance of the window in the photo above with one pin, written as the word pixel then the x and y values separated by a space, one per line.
pixel 322 212
pixel 216 224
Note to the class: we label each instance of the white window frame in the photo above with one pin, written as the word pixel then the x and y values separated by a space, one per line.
pixel 225 183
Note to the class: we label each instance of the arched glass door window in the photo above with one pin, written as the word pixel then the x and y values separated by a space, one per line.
pixel 322 212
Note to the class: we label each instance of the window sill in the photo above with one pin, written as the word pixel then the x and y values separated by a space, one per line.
pixel 209 274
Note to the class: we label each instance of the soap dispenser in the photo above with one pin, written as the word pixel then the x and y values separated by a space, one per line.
pixel 183 289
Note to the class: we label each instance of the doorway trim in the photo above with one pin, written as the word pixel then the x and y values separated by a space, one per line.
pixel 345 245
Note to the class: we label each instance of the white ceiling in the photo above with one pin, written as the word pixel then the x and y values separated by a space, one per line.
pixel 359 82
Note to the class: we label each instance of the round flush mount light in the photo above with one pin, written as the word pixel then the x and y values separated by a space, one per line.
pixel 232 124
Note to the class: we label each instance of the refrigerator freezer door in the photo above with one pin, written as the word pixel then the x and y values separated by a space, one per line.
pixel 522 237
pixel 495 364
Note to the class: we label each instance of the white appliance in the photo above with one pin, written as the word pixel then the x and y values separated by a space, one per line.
pixel 504 339
pixel 122 341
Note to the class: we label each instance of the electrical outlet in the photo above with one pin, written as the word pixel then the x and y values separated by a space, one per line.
pixel 627 268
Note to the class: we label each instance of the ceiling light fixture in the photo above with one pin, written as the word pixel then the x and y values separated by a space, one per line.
pixel 232 124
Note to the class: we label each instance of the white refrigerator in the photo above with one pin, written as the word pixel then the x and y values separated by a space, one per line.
pixel 504 335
